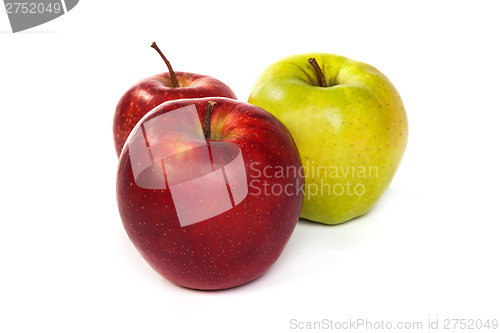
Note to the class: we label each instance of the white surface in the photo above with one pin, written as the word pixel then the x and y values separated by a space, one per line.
pixel 429 250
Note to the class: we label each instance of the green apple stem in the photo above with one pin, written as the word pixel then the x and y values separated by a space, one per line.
pixel 321 77
pixel 171 71
pixel 207 131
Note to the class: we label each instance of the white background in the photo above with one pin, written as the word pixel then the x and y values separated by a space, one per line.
pixel 429 249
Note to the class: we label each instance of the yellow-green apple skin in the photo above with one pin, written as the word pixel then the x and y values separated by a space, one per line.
pixel 351 134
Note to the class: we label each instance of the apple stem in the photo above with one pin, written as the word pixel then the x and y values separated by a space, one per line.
pixel 321 77
pixel 172 73
pixel 207 131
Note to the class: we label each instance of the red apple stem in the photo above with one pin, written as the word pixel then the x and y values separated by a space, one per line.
pixel 207 131
pixel 321 77
pixel 171 71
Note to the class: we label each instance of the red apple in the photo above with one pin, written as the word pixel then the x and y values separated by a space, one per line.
pixel 209 191
pixel 150 92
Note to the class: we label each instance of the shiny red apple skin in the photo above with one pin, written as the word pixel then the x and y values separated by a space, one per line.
pixel 237 246
pixel 148 93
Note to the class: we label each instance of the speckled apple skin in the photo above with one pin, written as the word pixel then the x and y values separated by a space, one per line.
pixel 146 94
pixel 358 122
pixel 237 246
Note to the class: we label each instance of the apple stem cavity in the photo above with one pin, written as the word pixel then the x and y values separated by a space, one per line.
pixel 208 120
pixel 318 70
pixel 171 71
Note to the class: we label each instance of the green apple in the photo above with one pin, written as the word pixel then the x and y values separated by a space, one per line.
pixel 349 124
